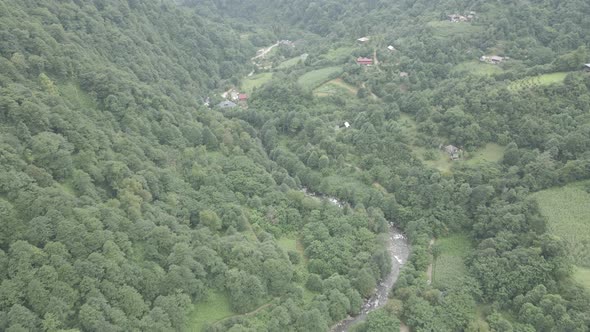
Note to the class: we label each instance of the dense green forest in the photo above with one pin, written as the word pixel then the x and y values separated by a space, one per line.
pixel 129 203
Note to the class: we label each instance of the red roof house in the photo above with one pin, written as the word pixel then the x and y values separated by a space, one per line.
pixel 242 97
pixel 364 61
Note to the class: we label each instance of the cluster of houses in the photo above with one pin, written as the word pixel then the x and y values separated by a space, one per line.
pixel 233 99
pixel 462 18
pixel 493 59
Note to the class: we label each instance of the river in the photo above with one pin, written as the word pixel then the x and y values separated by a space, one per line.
pixel 398 249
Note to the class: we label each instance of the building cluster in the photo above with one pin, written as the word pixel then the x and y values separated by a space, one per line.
pixel 493 59
pixel 462 18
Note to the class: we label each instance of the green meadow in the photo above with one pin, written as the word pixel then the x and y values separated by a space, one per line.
pixel 315 78
pixel 255 81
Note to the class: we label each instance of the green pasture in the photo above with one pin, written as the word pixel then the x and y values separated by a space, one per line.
pixel 449 266
pixel 289 63
pixel 478 68
pixel 317 77
pixel 491 152
pixel 255 81
pixel 215 308
pixel 582 276
pixel 567 210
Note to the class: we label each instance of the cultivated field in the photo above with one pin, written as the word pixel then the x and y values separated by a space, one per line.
pixel 449 266
pixel 541 80
pixel 568 212
pixel 315 78
pixel 335 87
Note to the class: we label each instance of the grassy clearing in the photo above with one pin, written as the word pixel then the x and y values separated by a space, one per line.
pixel 215 308
pixel 315 78
pixel 568 214
pixel 446 29
pixel 255 81
pixel 289 63
pixel 290 243
pixel 582 276
pixel 449 266
pixel 491 153
pixel 534 81
pixel 477 68
pixel 335 87
pixel 74 94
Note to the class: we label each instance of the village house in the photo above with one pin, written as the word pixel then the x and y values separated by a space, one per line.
pixel 227 104
pixel 391 48
pixel 587 67
pixel 403 74
pixel 453 151
pixel 363 39
pixel 457 18
pixel 242 97
pixel 346 124
pixel 493 59
pixel 364 61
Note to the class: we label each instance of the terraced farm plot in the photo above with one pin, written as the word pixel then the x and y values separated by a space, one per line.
pixel 449 266
pixel 255 81
pixel 477 68
pixel 335 87
pixel 534 81
pixel 315 78
pixel 567 210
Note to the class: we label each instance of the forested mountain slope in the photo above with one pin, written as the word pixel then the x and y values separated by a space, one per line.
pixel 128 205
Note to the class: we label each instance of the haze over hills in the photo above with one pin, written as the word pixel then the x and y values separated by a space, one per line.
pixel 240 165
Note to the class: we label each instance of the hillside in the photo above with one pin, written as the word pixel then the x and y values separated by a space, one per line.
pixel 131 201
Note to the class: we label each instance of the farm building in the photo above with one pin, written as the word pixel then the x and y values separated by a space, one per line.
pixel 493 59
pixel 453 151
pixel 363 39
pixel 227 104
pixel 364 61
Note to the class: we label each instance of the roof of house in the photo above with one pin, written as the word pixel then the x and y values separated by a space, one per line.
pixel 363 39
pixel 243 96
pixel 363 59
pixel 403 74
pixel 587 65
pixel 496 58
pixel 391 48
pixel 346 124
pixel 227 104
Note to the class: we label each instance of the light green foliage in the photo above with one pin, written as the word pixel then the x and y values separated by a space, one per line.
pixel 582 275
pixel 568 215
pixel 315 78
pixel 289 63
pixel 490 153
pixel 446 29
